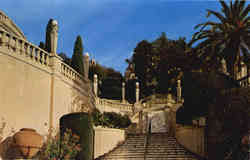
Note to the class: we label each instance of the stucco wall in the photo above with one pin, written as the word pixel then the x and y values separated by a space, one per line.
pixel 192 139
pixel 26 93
pixel 106 139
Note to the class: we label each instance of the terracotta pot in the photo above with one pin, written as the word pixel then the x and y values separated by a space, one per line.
pixel 28 142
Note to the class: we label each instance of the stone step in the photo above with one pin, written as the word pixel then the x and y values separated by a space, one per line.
pixel 160 147
pixel 159 158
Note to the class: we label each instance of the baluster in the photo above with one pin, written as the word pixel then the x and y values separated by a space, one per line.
pixel 67 72
pixel 74 75
pixel 42 56
pixel 39 56
pixel 32 52
pixel 18 45
pixel 8 40
pixel 4 39
pixel 71 75
pixel 35 54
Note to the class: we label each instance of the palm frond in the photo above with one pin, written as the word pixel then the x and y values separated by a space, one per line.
pixel 247 21
pixel 225 8
pixel 209 23
pixel 235 7
pixel 245 12
pixel 218 15
pixel 241 5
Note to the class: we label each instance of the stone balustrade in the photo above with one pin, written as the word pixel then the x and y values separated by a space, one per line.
pixel 70 73
pixel 33 54
pixel 120 106
pixel 21 48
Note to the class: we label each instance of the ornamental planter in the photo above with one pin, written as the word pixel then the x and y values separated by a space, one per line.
pixel 28 141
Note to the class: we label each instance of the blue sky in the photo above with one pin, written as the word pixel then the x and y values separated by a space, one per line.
pixel 110 29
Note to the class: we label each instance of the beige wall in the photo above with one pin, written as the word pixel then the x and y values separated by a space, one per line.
pixel 24 94
pixel 192 139
pixel 106 139
pixel 26 90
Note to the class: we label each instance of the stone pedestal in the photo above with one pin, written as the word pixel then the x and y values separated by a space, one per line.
pixel 95 85
pixel 137 92
pixel 123 92
pixel 86 65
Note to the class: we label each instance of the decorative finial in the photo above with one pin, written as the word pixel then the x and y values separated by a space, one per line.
pixel 87 54
pixel 54 22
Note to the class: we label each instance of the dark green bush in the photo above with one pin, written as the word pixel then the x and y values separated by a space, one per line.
pixel 110 119
pixel 80 124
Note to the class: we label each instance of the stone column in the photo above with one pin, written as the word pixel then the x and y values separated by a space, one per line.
pixel 178 90
pixel 140 121
pixel 224 66
pixel 86 64
pixel 123 92
pixel 137 92
pixel 54 37
pixel 95 85
pixel 55 64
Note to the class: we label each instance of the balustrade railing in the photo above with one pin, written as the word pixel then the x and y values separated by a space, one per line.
pixel 21 47
pixel 70 73
pixel 24 49
pixel 120 106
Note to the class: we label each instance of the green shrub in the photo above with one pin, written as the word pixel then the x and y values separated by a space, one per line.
pixel 81 124
pixel 69 146
pixel 110 119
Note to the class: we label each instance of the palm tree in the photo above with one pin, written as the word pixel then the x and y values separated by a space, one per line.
pixel 227 38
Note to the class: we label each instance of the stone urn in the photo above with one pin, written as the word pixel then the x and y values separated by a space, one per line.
pixel 28 141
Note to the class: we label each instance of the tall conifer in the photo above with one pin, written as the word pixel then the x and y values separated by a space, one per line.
pixel 48 39
pixel 77 57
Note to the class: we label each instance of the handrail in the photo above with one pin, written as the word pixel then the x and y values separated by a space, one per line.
pixel 26 50
pixel 120 106
pixel 69 72
pixel 23 48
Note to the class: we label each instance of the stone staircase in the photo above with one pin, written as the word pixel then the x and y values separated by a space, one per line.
pixel 159 147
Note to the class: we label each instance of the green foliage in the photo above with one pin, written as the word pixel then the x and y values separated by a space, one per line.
pixel 80 124
pixel 48 39
pixel 110 81
pixel 227 37
pixel 65 58
pixel 42 45
pixel 110 119
pixel 77 57
pixel 66 148
pixel 97 115
pixel 130 91
pixel 111 85
pixel 160 63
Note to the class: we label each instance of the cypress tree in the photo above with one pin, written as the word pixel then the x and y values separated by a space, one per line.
pixel 77 57
pixel 42 45
pixel 48 40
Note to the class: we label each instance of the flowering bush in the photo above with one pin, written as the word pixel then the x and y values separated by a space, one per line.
pixel 56 149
